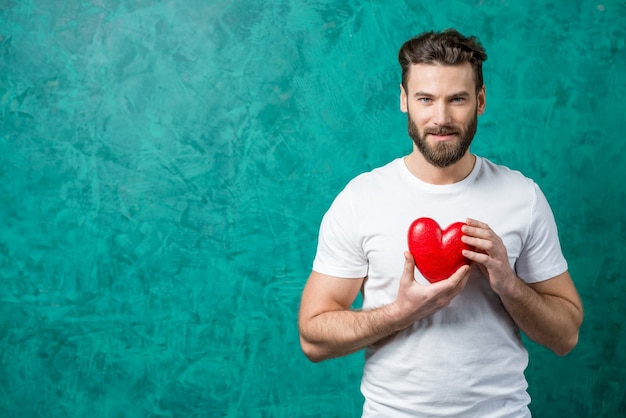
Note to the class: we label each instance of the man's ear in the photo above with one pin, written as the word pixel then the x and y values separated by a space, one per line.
pixel 403 100
pixel 481 101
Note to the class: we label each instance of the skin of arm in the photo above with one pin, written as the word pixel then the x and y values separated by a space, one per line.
pixel 330 328
pixel 549 312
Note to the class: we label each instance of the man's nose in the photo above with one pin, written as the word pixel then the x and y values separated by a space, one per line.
pixel 442 114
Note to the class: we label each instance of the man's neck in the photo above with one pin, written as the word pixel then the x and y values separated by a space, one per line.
pixel 429 173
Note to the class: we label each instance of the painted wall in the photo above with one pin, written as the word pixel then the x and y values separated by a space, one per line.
pixel 164 166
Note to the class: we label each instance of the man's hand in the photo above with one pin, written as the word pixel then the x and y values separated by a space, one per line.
pixel 329 328
pixel 549 312
pixel 416 301
pixel 490 255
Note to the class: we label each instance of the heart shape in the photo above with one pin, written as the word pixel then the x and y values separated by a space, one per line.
pixel 437 254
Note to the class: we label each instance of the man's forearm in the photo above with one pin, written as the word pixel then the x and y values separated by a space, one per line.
pixel 328 328
pixel 338 333
pixel 549 320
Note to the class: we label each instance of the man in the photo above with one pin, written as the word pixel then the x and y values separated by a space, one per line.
pixel 451 348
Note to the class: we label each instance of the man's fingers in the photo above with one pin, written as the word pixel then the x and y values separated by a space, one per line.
pixel 477 232
pixel 477 224
pixel 483 245
pixel 477 257
pixel 456 281
pixel 461 275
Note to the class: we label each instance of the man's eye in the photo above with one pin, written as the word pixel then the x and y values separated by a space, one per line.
pixel 424 99
pixel 458 99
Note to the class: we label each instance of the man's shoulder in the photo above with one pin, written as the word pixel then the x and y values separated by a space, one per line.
pixel 372 184
pixel 379 175
pixel 498 172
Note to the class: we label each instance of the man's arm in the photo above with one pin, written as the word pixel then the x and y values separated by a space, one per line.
pixel 549 312
pixel 329 328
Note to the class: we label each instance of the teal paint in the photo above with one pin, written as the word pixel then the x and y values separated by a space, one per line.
pixel 164 167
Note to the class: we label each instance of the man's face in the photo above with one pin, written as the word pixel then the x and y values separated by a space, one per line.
pixel 443 108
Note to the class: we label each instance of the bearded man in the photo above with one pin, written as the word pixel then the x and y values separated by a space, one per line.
pixel 451 348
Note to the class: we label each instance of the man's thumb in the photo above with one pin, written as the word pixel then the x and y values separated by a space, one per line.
pixel 409 266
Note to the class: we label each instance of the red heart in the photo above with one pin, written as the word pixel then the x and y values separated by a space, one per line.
pixel 437 254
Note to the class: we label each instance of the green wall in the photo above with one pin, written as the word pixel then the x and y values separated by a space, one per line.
pixel 164 166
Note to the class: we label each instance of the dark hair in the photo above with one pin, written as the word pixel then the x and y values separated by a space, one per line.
pixel 448 48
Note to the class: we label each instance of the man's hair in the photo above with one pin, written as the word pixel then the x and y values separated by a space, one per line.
pixel 446 48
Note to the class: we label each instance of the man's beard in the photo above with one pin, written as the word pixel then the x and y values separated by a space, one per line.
pixel 444 154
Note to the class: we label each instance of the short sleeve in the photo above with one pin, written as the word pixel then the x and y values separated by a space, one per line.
pixel 542 257
pixel 339 248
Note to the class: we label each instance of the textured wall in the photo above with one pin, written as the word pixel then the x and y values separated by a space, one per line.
pixel 164 166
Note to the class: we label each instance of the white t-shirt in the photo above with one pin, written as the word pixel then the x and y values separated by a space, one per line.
pixel 466 360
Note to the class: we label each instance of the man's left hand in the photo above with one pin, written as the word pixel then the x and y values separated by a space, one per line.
pixel 489 253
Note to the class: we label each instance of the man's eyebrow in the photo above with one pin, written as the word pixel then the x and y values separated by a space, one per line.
pixel 462 93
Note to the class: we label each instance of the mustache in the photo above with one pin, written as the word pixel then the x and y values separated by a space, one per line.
pixel 442 130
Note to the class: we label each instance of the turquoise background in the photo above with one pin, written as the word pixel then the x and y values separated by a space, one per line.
pixel 164 166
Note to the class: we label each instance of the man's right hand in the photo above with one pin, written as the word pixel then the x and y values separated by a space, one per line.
pixel 416 301
pixel 329 328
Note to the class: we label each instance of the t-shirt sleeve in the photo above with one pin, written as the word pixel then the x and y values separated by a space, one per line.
pixel 542 258
pixel 339 248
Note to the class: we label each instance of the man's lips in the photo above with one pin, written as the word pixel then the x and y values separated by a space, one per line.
pixel 441 136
